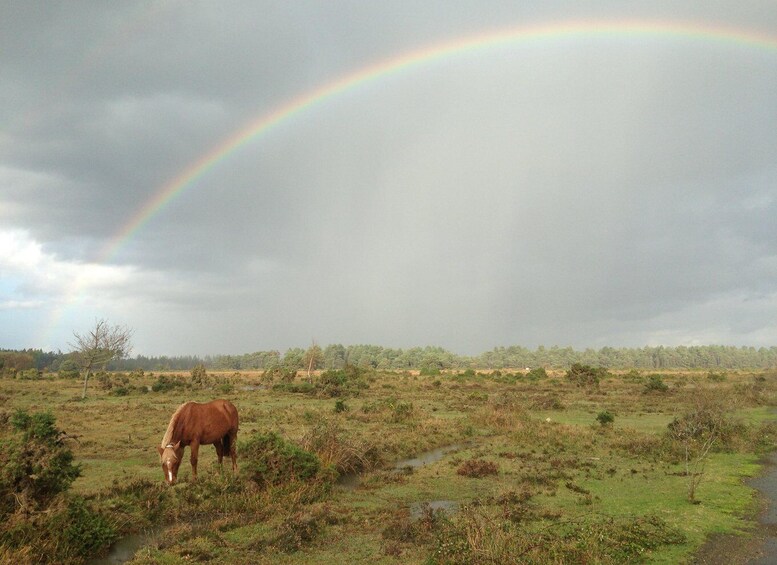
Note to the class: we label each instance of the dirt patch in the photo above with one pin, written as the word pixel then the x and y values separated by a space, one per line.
pixel 728 549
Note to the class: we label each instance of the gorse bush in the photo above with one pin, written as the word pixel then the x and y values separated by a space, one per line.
pixel 655 383
pixel 268 459
pixel 348 381
pixel 537 373
pixel 81 530
pixel 37 465
pixel 37 517
pixel 605 418
pixel 68 369
pixel 165 383
pixel 585 375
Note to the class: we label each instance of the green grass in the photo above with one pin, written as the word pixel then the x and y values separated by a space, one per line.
pixel 573 471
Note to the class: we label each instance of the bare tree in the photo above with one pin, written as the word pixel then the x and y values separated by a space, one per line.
pixel 313 357
pixel 102 344
pixel 697 431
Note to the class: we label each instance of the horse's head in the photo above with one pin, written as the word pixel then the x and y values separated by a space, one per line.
pixel 171 459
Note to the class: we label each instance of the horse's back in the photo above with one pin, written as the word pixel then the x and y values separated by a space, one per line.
pixel 210 421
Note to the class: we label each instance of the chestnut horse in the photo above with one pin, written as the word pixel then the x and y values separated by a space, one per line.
pixel 196 424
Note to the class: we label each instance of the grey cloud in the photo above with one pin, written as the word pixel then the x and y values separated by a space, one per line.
pixel 582 192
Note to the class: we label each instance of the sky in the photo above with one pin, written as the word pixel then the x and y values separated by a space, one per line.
pixel 229 177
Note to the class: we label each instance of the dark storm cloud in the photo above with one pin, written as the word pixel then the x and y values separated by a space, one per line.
pixel 586 193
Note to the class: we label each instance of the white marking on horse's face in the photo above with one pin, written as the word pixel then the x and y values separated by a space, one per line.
pixel 170 467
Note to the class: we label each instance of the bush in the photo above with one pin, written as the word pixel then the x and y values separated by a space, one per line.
pixel 342 382
pixel 82 530
pixel 655 383
pixel 199 375
pixel 605 418
pixel 69 369
pixel 585 375
pixel 29 375
pixel 333 447
pixel 298 388
pixel 537 373
pixel 401 411
pixel 340 406
pixel 269 460
pixel 165 383
pixel 37 465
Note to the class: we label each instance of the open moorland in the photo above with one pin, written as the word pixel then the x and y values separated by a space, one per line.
pixel 358 465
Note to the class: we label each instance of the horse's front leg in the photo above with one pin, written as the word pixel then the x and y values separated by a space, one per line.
pixel 195 447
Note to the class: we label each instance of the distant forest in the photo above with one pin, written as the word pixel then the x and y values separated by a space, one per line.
pixel 713 357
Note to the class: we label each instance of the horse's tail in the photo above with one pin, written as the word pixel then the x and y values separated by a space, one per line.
pixel 225 442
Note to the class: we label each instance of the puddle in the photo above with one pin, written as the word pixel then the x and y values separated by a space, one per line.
pixel 351 480
pixel 766 484
pixel 427 457
pixel 417 509
pixel 123 550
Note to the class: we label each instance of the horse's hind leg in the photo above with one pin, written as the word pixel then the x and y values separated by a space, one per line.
pixel 233 449
pixel 220 452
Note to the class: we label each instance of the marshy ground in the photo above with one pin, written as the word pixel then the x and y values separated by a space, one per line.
pixel 523 469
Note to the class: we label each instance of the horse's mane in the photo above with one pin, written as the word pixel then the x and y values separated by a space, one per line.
pixel 168 437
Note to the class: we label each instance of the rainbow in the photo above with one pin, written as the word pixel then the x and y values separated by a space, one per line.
pixel 306 101
pixel 265 123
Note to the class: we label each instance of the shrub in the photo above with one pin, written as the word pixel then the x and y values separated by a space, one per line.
pixel 333 447
pixel 340 406
pixel 655 383
pixel 298 388
pixel 401 411
pixel 342 382
pixel 537 373
pixel 268 460
pixel 82 531
pixel 605 418
pixel 165 383
pixel 633 376
pixel 37 465
pixel 284 374
pixel 199 374
pixel 585 375
pixel 68 369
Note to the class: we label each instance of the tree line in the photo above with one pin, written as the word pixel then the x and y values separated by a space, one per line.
pixel 336 356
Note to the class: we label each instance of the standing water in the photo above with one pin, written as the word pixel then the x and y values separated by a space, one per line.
pixel 767 486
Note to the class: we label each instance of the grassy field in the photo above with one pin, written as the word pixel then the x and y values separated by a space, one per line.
pixel 529 473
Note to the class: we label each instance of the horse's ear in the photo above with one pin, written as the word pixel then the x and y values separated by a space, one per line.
pixel 160 450
pixel 177 445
